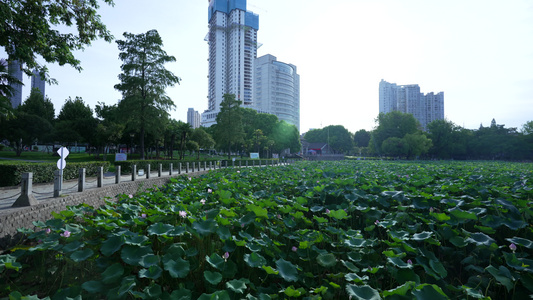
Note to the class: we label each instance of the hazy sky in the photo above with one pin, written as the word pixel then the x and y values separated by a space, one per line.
pixel 478 52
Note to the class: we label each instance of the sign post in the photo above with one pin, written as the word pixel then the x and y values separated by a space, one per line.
pixel 61 163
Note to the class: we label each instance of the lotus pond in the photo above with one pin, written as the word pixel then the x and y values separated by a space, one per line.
pixel 321 230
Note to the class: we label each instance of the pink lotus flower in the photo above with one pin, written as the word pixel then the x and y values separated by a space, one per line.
pixel 183 214
pixel 143 216
pixel 294 249
pixel 209 191
pixel 238 172
pixel 131 196
pixel 512 247
pixel 327 211
pixel 377 222
pixel 190 178
pixel 225 256
pixel 47 230
pixel 202 201
pixel 65 234
pixel 409 261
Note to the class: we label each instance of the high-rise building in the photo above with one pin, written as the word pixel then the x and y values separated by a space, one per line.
pixel 15 70
pixel 38 82
pixel 277 89
pixel 408 99
pixel 232 41
pixel 193 118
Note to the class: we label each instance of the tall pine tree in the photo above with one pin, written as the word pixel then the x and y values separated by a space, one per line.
pixel 143 82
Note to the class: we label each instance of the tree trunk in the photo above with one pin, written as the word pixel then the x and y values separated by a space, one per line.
pixel 142 142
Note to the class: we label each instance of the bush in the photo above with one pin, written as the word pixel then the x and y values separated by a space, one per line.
pixel 44 172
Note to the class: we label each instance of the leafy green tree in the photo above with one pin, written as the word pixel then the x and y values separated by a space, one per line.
pixel 184 132
pixel 286 136
pixel 229 128
pixel 393 124
pixel 75 122
pixel 395 146
pixel 31 28
pixel 203 139
pixel 109 130
pixel 418 144
pixel 337 137
pixel 527 128
pixel 24 129
pixel 361 138
pixel 143 82
pixel 38 105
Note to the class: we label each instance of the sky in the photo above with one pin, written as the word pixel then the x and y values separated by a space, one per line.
pixel 478 52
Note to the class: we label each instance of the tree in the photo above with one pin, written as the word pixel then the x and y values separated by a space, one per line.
pixel 395 146
pixel 418 144
pixel 75 122
pixel 393 124
pixel 361 138
pixel 203 139
pixel 30 28
pixel 527 128
pixel 229 128
pixel 183 134
pixel 38 105
pixel 143 81
pixel 24 129
pixel 109 129
pixel 337 137
pixel 286 136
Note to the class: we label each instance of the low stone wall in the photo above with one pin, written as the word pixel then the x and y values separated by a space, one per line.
pixel 23 217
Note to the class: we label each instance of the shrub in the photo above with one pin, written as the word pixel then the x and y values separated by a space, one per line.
pixel 44 172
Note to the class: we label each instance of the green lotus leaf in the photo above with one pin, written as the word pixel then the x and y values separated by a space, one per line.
pixel 237 286
pixel 175 251
pixel 355 242
pixel 153 291
pixel 254 260
pixel 462 215
pixel 438 268
pixel 355 278
pixel 317 208
pixel 149 260
pixel 363 292
pixel 132 255
pixel 215 260
pixel 401 290
pixel 406 275
pixel 213 278
pixel 178 268
pixel 350 266
pixel 502 275
pixel 112 245
pixel 177 231
pixel 247 219
pixel 246 236
pixel 223 233
pixel 422 236
pixel 135 239
pixel 258 211
pixel 485 229
pixel 399 236
pixel 291 292
pixel 270 270
pixel 320 219
pixel 521 242
pixel 93 286
pixel 181 294
pixel 339 214
pixel 218 295
pixel 153 272
pixel 326 260
pixel 205 227
pixel 72 246
pixel 429 291
pixel 442 217
pixel 126 285
pixel 113 273
pixel 287 270
pixel 458 241
pixel 398 262
pixel 480 239
pixel 81 255
pixel 159 229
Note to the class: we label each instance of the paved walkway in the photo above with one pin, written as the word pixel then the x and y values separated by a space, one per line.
pixel 45 191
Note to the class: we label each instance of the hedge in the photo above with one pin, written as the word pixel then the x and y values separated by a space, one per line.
pixel 125 166
pixel 44 172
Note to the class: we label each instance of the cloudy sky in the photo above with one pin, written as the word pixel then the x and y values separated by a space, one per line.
pixel 478 52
